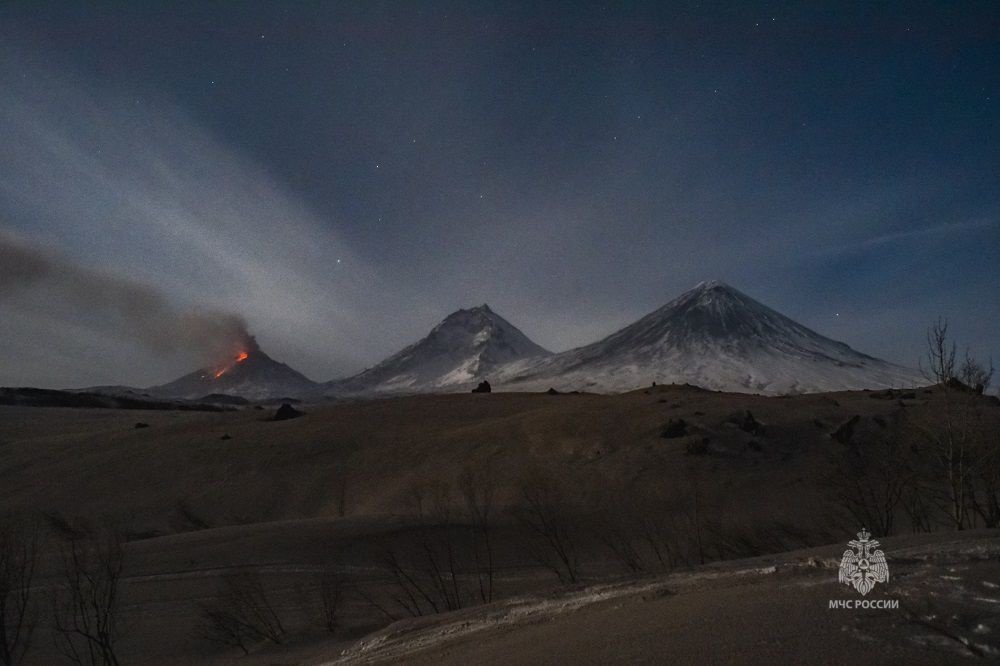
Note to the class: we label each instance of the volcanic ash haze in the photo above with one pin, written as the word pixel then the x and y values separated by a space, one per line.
pixel 106 300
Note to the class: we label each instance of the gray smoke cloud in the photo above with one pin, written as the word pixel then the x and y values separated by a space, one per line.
pixel 138 310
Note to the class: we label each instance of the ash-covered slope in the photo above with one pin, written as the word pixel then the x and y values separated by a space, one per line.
pixel 716 337
pixel 251 374
pixel 462 350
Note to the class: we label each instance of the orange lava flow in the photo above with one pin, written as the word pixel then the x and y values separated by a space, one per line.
pixel 242 356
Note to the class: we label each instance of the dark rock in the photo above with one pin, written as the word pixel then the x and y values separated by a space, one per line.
pixel 697 447
pixel 675 428
pixel 286 412
pixel 141 425
pixel 484 387
pixel 845 432
pixel 747 423
pixel 225 437
pixel 552 391
pixel 754 445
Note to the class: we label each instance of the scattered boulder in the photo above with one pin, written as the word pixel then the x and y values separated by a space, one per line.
pixel 845 432
pixel 675 428
pixel 746 422
pixel 140 424
pixel 697 447
pixel 286 412
pixel 484 387
pixel 226 436
pixel 552 391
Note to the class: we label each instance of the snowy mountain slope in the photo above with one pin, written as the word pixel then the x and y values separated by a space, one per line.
pixel 466 347
pixel 252 374
pixel 716 337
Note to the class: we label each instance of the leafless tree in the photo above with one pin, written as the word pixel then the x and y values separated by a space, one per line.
pixel 975 374
pixel 478 487
pixel 243 614
pixel 939 364
pixel 18 559
pixel 962 456
pixel 86 604
pixel 424 563
pixel 331 594
pixel 870 478
pixel 546 514
pixel 340 487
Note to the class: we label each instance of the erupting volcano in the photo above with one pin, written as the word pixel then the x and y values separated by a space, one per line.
pixel 249 373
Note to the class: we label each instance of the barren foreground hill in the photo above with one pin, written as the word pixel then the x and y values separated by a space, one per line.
pixel 426 505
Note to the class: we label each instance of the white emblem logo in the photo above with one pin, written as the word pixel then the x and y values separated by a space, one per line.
pixel 863 564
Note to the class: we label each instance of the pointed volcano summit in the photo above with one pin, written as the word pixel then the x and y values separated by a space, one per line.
pixel 465 348
pixel 250 374
pixel 717 337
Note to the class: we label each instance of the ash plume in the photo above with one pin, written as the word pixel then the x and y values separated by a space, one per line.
pixel 139 309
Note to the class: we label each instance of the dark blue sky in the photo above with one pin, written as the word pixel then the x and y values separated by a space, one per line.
pixel 575 166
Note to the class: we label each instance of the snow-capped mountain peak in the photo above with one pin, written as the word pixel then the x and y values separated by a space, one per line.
pixel 717 337
pixel 463 349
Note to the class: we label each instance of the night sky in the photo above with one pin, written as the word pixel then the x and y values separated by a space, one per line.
pixel 345 175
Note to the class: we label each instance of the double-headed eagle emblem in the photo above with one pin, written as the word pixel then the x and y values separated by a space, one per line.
pixel 863 564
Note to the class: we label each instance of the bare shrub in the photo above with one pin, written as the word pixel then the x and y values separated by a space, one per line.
pixel 243 614
pixel 975 374
pixel 870 477
pixel 546 514
pixel 18 616
pixel 331 595
pixel 477 485
pixel 424 564
pixel 939 364
pixel 86 604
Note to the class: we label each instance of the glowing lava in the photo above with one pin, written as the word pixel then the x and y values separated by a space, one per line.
pixel 242 356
